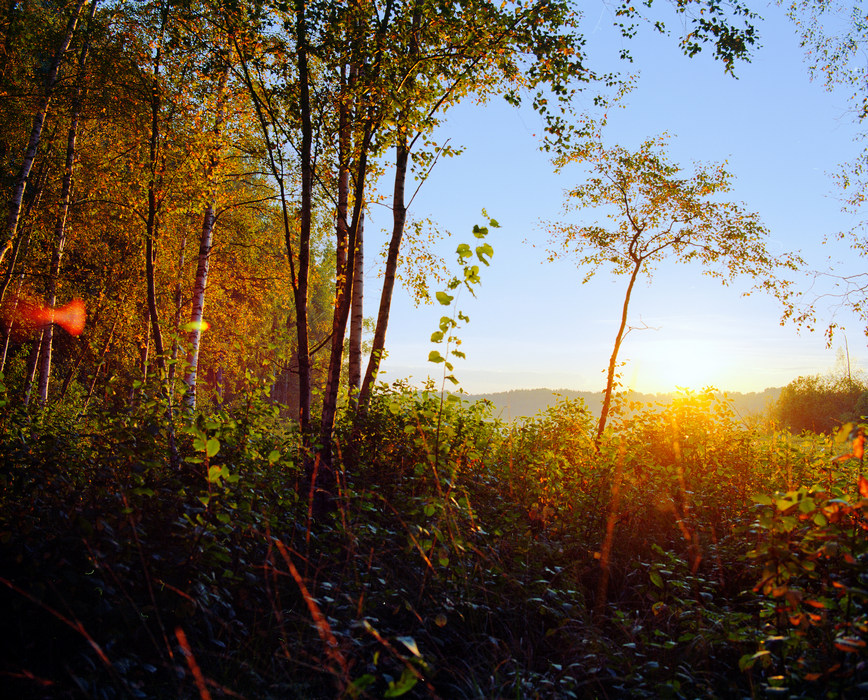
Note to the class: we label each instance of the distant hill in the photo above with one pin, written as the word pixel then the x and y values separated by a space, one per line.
pixel 524 403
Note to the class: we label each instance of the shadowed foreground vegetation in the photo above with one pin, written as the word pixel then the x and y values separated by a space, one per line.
pixel 462 558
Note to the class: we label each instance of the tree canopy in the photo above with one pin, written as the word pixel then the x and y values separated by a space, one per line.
pixel 213 161
pixel 658 213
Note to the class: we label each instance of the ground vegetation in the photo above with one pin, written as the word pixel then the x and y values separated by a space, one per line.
pixel 684 556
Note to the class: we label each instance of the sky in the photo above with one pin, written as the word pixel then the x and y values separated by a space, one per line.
pixel 534 324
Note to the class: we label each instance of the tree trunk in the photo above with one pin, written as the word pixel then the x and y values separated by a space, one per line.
pixel 399 219
pixel 198 304
pixel 343 299
pixel 105 351
pixel 343 279
pixel 32 364
pixel 151 234
pixel 275 161
pixel 613 360
pixel 36 132
pixel 357 315
pixel 153 224
pixel 205 243
pixel 179 305
pixel 19 245
pixel 145 348
pixel 301 291
pixel 60 225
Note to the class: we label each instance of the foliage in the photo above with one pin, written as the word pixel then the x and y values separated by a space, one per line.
pixel 447 328
pixel 819 403
pixel 834 34
pixel 656 213
pixel 465 558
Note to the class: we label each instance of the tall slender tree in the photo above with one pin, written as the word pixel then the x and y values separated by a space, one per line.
pixel 206 237
pixel 60 232
pixel 659 214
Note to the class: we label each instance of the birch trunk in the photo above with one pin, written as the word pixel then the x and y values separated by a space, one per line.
pixel 36 131
pixel 198 304
pixel 60 225
pixel 206 240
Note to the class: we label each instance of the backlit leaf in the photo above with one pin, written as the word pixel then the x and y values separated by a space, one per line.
pixel 403 685
pixel 410 643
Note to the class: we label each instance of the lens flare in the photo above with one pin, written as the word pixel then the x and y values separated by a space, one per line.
pixel 25 313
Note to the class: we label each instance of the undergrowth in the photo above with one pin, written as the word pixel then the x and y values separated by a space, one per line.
pixel 686 557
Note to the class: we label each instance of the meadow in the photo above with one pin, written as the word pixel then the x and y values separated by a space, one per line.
pixel 684 556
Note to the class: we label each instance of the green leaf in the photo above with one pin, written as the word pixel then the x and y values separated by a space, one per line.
pixel 484 251
pixel 273 456
pixel 656 578
pixel 437 336
pixel 464 251
pixel 403 685
pixel 435 356
pixel 212 447
pixel 444 298
pixel 362 683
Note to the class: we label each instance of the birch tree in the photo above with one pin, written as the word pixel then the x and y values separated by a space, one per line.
pixel 40 113
pixel 60 232
pixel 653 211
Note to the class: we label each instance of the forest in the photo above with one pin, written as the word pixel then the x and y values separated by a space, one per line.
pixel 207 491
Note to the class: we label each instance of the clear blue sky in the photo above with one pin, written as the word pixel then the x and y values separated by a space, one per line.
pixel 533 324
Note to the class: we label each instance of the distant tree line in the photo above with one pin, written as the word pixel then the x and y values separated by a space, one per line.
pixel 821 403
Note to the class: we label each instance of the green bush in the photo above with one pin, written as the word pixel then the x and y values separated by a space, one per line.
pixel 463 558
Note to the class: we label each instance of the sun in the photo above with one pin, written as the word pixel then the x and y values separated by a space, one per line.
pixel 666 366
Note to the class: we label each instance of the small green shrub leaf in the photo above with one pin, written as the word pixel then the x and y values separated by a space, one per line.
pixel 403 685
pixel 212 447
